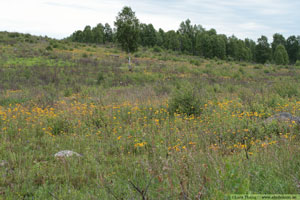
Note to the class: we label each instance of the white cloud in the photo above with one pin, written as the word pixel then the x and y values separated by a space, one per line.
pixel 244 18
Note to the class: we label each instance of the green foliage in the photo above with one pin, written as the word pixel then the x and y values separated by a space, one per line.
pixel 147 35
pixel 292 47
pixel 157 49
pixel 196 62
pixel 188 39
pixel 127 26
pixel 171 41
pixel 263 51
pixel 49 48
pixel 278 39
pixel 185 100
pixel 280 56
pixel 100 78
pixel 60 126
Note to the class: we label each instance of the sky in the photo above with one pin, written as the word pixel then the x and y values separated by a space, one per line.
pixel 243 18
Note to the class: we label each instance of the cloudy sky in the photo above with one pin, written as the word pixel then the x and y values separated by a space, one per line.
pixel 243 18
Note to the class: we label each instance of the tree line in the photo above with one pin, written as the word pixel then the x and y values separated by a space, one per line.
pixel 191 39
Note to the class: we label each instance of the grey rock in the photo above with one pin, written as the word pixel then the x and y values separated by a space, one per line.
pixel 66 153
pixel 283 117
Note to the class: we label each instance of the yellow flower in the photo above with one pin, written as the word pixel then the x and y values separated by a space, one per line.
pixel 119 137
pixel 264 144
pixel 140 144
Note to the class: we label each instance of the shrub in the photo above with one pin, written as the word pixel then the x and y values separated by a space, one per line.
pixel 60 126
pixel 137 55
pixel 49 48
pixel 55 45
pixel 100 78
pixel 184 100
pixel 195 62
pixel 157 49
pixel 259 66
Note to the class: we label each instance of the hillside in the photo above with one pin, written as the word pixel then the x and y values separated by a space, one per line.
pixel 175 127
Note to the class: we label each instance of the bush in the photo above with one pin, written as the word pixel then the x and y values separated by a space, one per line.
pixel 185 101
pixel 49 48
pixel 157 49
pixel 195 62
pixel 100 78
pixel 60 126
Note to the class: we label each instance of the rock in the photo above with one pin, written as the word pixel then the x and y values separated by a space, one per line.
pixel 66 153
pixel 3 163
pixel 283 117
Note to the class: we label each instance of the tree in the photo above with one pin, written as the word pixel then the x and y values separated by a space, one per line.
pixel 147 35
pixel 98 34
pixel 277 40
pixel 87 34
pixel 206 44
pixel 187 37
pixel 218 46
pixel 160 37
pixel 232 47
pixel 186 43
pixel 77 36
pixel 242 53
pixel 262 50
pixel 108 33
pixel 250 44
pixel 292 47
pixel 281 56
pixel 172 41
pixel 127 26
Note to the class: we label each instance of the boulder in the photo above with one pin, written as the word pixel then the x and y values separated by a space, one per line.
pixel 66 153
pixel 283 117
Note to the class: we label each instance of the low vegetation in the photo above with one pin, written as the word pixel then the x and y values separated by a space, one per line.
pixel 175 127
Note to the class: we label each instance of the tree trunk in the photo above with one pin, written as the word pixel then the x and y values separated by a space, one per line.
pixel 129 64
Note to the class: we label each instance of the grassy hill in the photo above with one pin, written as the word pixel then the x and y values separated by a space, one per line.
pixel 176 127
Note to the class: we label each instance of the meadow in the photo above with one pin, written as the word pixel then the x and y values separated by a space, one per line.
pixel 176 127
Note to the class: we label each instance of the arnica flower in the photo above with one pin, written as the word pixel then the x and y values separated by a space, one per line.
pixel 140 144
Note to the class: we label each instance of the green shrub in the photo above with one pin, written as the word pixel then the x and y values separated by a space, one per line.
pixel 195 62
pixel 137 55
pixel 49 48
pixel 241 70
pixel 184 100
pixel 55 45
pixel 60 126
pixel 157 49
pixel 258 66
pixel 100 78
